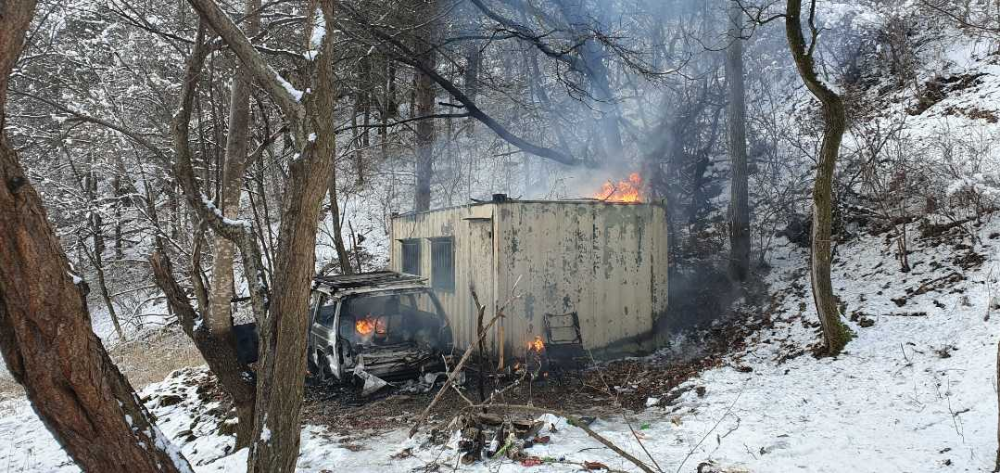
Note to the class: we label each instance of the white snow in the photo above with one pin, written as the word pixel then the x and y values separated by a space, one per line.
pixel 911 393
pixel 218 212
pixel 295 93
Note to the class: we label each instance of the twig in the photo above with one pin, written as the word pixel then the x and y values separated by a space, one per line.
pixel 575 421
pixel 466 399
pixel 637 439
pixel 461 362
pixel 451 378
pixel 724 415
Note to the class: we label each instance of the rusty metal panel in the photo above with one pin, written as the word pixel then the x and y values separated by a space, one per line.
pixel 602 261
pixel 659 251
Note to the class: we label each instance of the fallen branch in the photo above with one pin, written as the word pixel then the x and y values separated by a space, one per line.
pixel 575 421
pixel 639 440
pixel 451 378
pixel 461 362
pixel 724 415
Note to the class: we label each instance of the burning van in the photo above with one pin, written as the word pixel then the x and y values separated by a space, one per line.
pixel 376 326
pixel 590 274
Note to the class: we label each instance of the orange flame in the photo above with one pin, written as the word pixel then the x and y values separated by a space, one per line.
pixel 625 190
pixel 536 345
pixel 365 326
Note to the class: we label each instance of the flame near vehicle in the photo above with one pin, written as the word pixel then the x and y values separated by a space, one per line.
pixel 536 345
pixel 625 190
pixel 365 326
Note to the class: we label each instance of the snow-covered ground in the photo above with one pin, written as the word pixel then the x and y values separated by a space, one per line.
pixel 913 392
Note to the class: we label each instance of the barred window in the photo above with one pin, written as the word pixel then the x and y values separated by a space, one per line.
pixel 443 264
pixel 411 256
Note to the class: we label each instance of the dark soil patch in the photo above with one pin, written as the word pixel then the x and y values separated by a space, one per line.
pixel 937 88
pixel 602 389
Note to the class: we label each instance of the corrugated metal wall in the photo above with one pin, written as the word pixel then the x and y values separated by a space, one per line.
pixel 471 228
pixel 607 262
pixel 598 260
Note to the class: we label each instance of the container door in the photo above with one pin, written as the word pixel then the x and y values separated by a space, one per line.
pixel 481 274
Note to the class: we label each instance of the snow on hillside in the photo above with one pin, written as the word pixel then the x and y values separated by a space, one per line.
pixel 914 391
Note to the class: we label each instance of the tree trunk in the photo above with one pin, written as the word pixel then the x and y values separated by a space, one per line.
pixel 119 198
pixel 835 333
pixel 281 371
pixel 425 95
pixel 97 257
pixel 996 467
pixel 739 206
pixel 219 353
pixel 473 62
pixel 98 261
pixel 218 318
pixel 45 328
pixel 425 142
pixel 343 259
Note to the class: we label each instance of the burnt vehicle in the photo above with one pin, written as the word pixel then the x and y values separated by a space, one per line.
pixel 376 326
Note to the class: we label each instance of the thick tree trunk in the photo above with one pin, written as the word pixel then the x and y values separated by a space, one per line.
pixel 835 333
pixel 739 206
pixel 425 94
pixel 45 328
pixel 218 318
pixel 281 371
pixel 219 353
pixel 996 467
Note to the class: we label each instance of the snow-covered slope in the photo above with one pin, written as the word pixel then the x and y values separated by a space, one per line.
pixel 915 390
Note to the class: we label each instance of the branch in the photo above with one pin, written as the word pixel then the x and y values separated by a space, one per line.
pixel 283 94
pixel 176 298
pixel 522 32
pixel 468 351
pixel 240 233
pixel 183 169
pixel 408 120
pixel 407 56
pixel 132 135
pixel 577 422
pixel 757 18
pixel 802 56
pixel 455 371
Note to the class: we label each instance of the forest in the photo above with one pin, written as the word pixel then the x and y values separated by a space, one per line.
pixel 713 236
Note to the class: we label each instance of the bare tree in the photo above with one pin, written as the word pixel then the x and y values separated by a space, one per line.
pixel 425 95
pixel 45 329
pixel 835 333
pixel 739 205
pixel 218 317
pixel 280 372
